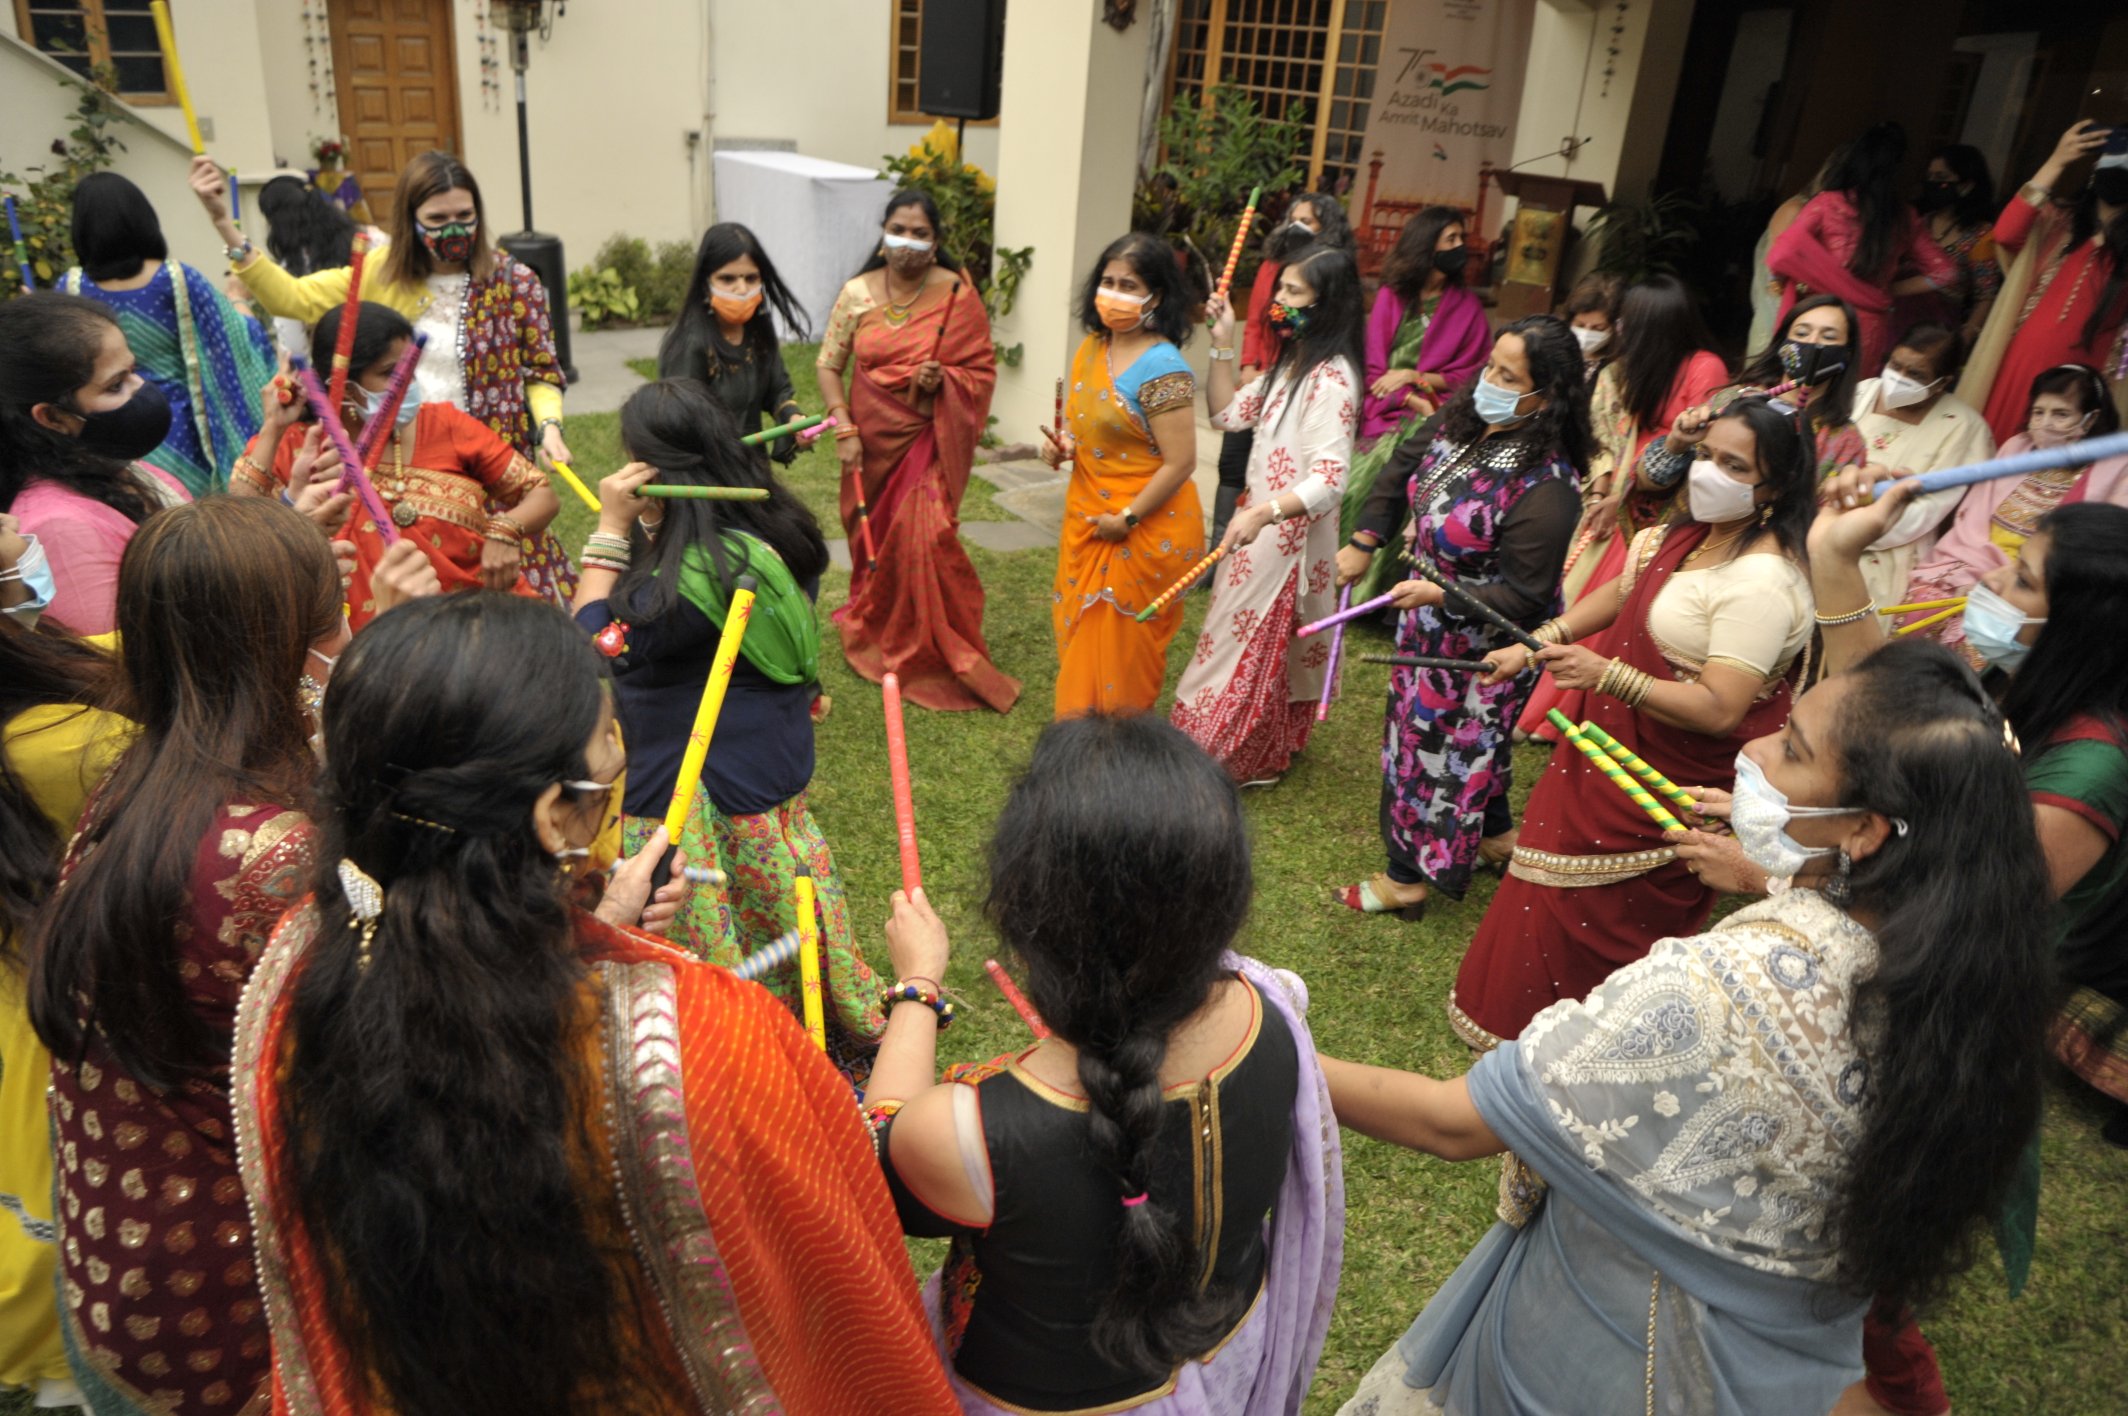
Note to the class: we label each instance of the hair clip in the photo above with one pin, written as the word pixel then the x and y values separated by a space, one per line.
pixel 2009 740
pixel 1133 1201
pixel 365 897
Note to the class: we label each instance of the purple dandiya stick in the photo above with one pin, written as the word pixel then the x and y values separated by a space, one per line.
pixel 1337 650
pixel 1366 607
pixel 329 419
pixel 369 443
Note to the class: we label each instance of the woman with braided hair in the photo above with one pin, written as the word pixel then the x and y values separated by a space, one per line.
pixel 1147 1205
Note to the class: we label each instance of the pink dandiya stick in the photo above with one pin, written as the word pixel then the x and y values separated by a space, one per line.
pixel 912 869
pixel 1581 543
pixel 370 442
pixel 1060 411
pixel 329 419
pixel 1337 650
pixel 1365 607
pixel 350 315
pixel 1017 999
pixel 1183 582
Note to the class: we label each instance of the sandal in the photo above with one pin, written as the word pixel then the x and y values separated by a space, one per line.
pixel 1367 900
pixel 1494 852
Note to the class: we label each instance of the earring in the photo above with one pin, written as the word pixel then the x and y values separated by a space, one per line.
pixel 1765 513
pixel 1839 889
pixel 365 899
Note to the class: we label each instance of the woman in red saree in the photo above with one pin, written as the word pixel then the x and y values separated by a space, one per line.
pixel 508 1157
pixel 1706 622
pixel 906 438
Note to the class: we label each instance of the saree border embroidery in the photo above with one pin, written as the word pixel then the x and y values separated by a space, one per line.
pixel 1566 872
pixel 654 1165
pixel 1164 391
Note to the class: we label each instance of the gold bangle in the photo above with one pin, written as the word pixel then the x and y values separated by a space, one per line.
pixel 1637 689
pixel 1834 621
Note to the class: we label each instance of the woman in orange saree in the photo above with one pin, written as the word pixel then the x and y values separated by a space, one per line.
pixel 906 436
pixel 1132 521
pixel 510 1157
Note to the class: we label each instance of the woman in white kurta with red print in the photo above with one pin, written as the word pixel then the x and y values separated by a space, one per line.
pixel 1249 693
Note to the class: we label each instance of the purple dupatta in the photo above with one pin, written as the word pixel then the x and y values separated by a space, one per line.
pixel 1455 346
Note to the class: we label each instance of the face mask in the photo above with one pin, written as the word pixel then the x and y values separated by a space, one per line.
pixel 373 404
pixel 735 309
pixel 907 250
pixel 1120 312
pixel 1496 405
pixel 1991 626
pixel 605 847
pixel 1451 263
pixel 2055 437
pixel 1935 196
pixel 450 243
pixel 1590 340
pixel 132 430
pixel 1812 364
pixel 1899 391
pixel 35 573
pixel 1714 497
pixel 1288 319
pixel 1759 813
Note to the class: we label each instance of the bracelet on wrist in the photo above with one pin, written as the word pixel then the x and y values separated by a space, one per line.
pixel 1222 355
pixel 907 992
pixel 1366 547
pixel 1835 621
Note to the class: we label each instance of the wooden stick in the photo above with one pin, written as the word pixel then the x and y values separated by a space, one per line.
pixel 689 492
pixel 350 316
pixel 1337 650
pixel 809 959
pixel 912 868
pixel 1365 607
pixel 1936 618
pixel 378 429
pixel 576 484
pixel 1428 661
pixel 945 316
pixel 1616 773
pixel 1188 578
pixel 714 688
pixel 1632 763
pixel 765 960
pixel 1017 999
pixel 1473 606
pixel 175 72
pixel 328 415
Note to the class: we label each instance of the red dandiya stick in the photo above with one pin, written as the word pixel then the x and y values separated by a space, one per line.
pixel 1060 411
pixel 376 433
pixel 864 528
pixel 350 314
pixel 912 870
pixel 1337 650
pixel 1183 582
pixel 329 419
pixel 1017 999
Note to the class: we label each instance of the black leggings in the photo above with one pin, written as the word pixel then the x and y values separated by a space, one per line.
pixel 1234 458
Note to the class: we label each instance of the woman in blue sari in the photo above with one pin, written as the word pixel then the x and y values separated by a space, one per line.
pixel 1742 1139
pixel 209 359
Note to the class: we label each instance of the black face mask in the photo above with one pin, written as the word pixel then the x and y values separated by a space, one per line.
pixel 2111 185
pixel 1451 263
pixel 1936 196
pixel 130 431
pixel 1812 364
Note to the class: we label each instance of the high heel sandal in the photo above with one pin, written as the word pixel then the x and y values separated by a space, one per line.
pixel 1365 898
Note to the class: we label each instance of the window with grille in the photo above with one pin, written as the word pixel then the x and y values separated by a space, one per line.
pixel 1316 57
pixel 89 34
pixel 905 51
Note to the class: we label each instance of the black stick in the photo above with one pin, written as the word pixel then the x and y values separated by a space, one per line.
pixel 1427 661
pixel 1472 605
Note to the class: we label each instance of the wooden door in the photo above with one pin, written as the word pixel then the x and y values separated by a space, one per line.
pixel 397 76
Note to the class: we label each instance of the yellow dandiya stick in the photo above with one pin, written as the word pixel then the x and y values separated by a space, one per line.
pixel 167 38
pixel 576 484
pixel 720 671
pixel 1616 773
pixel 1936 618
pixel 809 959
pixel 1188 578
pixel 1676 794
pixel 1953 602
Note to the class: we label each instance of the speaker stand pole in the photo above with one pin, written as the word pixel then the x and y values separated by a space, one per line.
pixel 537 249
pixel 960 139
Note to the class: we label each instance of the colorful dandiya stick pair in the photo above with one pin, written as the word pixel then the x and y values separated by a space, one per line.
pixel 377 429
pixel 2044 459
pixel 1618 775
pixel 1626 758
pixel 350 316
pixel 912 868
pixel 1241 237
pixel 796 425
pixel 686 492
pixel 22 251
pixel 576 484
pixel 1183 582
pixel 1351 612
pixel 1937 618
pixel 1337 651
pixel 1470 604
pixel 1017 999
pixel 328 415
pixel 714 688
pixel 167 38
pixel 1428 661
pixel 809 959
pixel 764 961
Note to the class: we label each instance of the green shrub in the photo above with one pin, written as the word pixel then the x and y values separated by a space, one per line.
pixel 44 190
pixel 1215 150
pixel 666 288
pixel 967 205
pixel 602 297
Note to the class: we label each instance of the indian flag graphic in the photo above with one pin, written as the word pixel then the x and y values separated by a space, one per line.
pixel 1462 76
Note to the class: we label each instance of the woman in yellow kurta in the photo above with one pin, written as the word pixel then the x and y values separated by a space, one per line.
pixel 1132 522
pixel 53 749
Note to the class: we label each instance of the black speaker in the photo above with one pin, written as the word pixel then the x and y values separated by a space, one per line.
pixel 962 54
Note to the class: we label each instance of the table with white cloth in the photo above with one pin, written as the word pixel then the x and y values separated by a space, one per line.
pixel 818 220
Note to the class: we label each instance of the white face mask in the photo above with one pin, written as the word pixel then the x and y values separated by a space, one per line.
pixel 1714 497
pixel 1759 813
pixel 907 243
pixel 1590 340
pixel 1899 391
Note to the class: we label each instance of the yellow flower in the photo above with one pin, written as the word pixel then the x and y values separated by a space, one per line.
pixel 939 144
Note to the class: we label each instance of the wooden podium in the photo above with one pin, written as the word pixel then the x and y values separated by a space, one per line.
pixel 1528 282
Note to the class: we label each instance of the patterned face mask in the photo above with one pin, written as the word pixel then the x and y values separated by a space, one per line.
pixel 450 243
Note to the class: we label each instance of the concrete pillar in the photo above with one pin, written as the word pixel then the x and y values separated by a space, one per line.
pixel 1067 162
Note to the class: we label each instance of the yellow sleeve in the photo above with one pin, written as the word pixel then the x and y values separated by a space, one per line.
pixel 544 400
pixel 292 297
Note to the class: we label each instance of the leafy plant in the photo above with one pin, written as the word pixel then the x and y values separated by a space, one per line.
pixel 602 297
pixel 1635 240
pixel 1215 150
pixel 44 191
pixel 967 208
pixel 669 274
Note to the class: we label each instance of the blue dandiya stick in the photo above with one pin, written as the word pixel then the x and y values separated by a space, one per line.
pixel 22 253
pixel 763 961
pixel 236 198
pixel 2045 459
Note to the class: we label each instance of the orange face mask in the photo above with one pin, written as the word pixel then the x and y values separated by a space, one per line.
pixel 734 309
pixel 1120 312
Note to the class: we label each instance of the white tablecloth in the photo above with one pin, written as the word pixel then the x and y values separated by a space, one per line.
pixel 818 220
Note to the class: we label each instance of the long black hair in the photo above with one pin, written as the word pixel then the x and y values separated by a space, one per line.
pixel 1659 330
pixel 686 350
pixel 679 427
pixel 1867 172
pixel 1788 463
pixel 115 229
pixel 1556 371
pixel 1958 1006
pixel 218 604
pixel 1119 872
pixel 437 1105
pixel 1152 260
pixel 2106 310
pixel 38 668
pixel 48 347
pixel 1975 206
pixel 1336 322
pixel 911 197
pixel 1410 260
pixel 1834 408
pixel 1285 241
pixel 307 233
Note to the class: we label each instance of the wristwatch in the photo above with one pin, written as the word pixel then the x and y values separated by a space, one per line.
pixel 1130 519
pixel 239 253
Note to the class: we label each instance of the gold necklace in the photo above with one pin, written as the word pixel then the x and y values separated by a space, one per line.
pixel 898 310
pixel 403 515
pixel 1710 544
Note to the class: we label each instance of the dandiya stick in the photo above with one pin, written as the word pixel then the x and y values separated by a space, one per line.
pixel 377 431
pixel 1428 661
pixel 2044 459
pixel 945 317
pixel 1241 236
pixel 736 615
pixel 1059 424
pixel 1470 604
pixel 576 484
pixel 167 38
pixel 864 526
pixel 328 415
pixel 1937 618
pixel 1337 651
pixel 1365 607
pixel 688 492
pixel 22 251
pixel 796 425
pixel 1017 999
pixel 1581 543
pixel 766 960
pixel 1183 582
pixel 912 868
pixel 809 958
pixel 236 198
pixel 1921 605
pixel 1616 773
pixel 350 316
pixel 1631 762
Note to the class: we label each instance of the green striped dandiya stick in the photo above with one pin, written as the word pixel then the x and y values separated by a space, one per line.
pixel 701 493
pixel 1676 794
pixel 1616 773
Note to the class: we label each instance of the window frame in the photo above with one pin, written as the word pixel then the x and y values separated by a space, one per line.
pixel 97 27
pixel 897 116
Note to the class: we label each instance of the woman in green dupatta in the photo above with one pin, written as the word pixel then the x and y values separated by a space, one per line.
pixel 657 581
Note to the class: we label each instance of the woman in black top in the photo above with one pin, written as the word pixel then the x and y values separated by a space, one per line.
pixel 726 334
pixel 1107 1189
